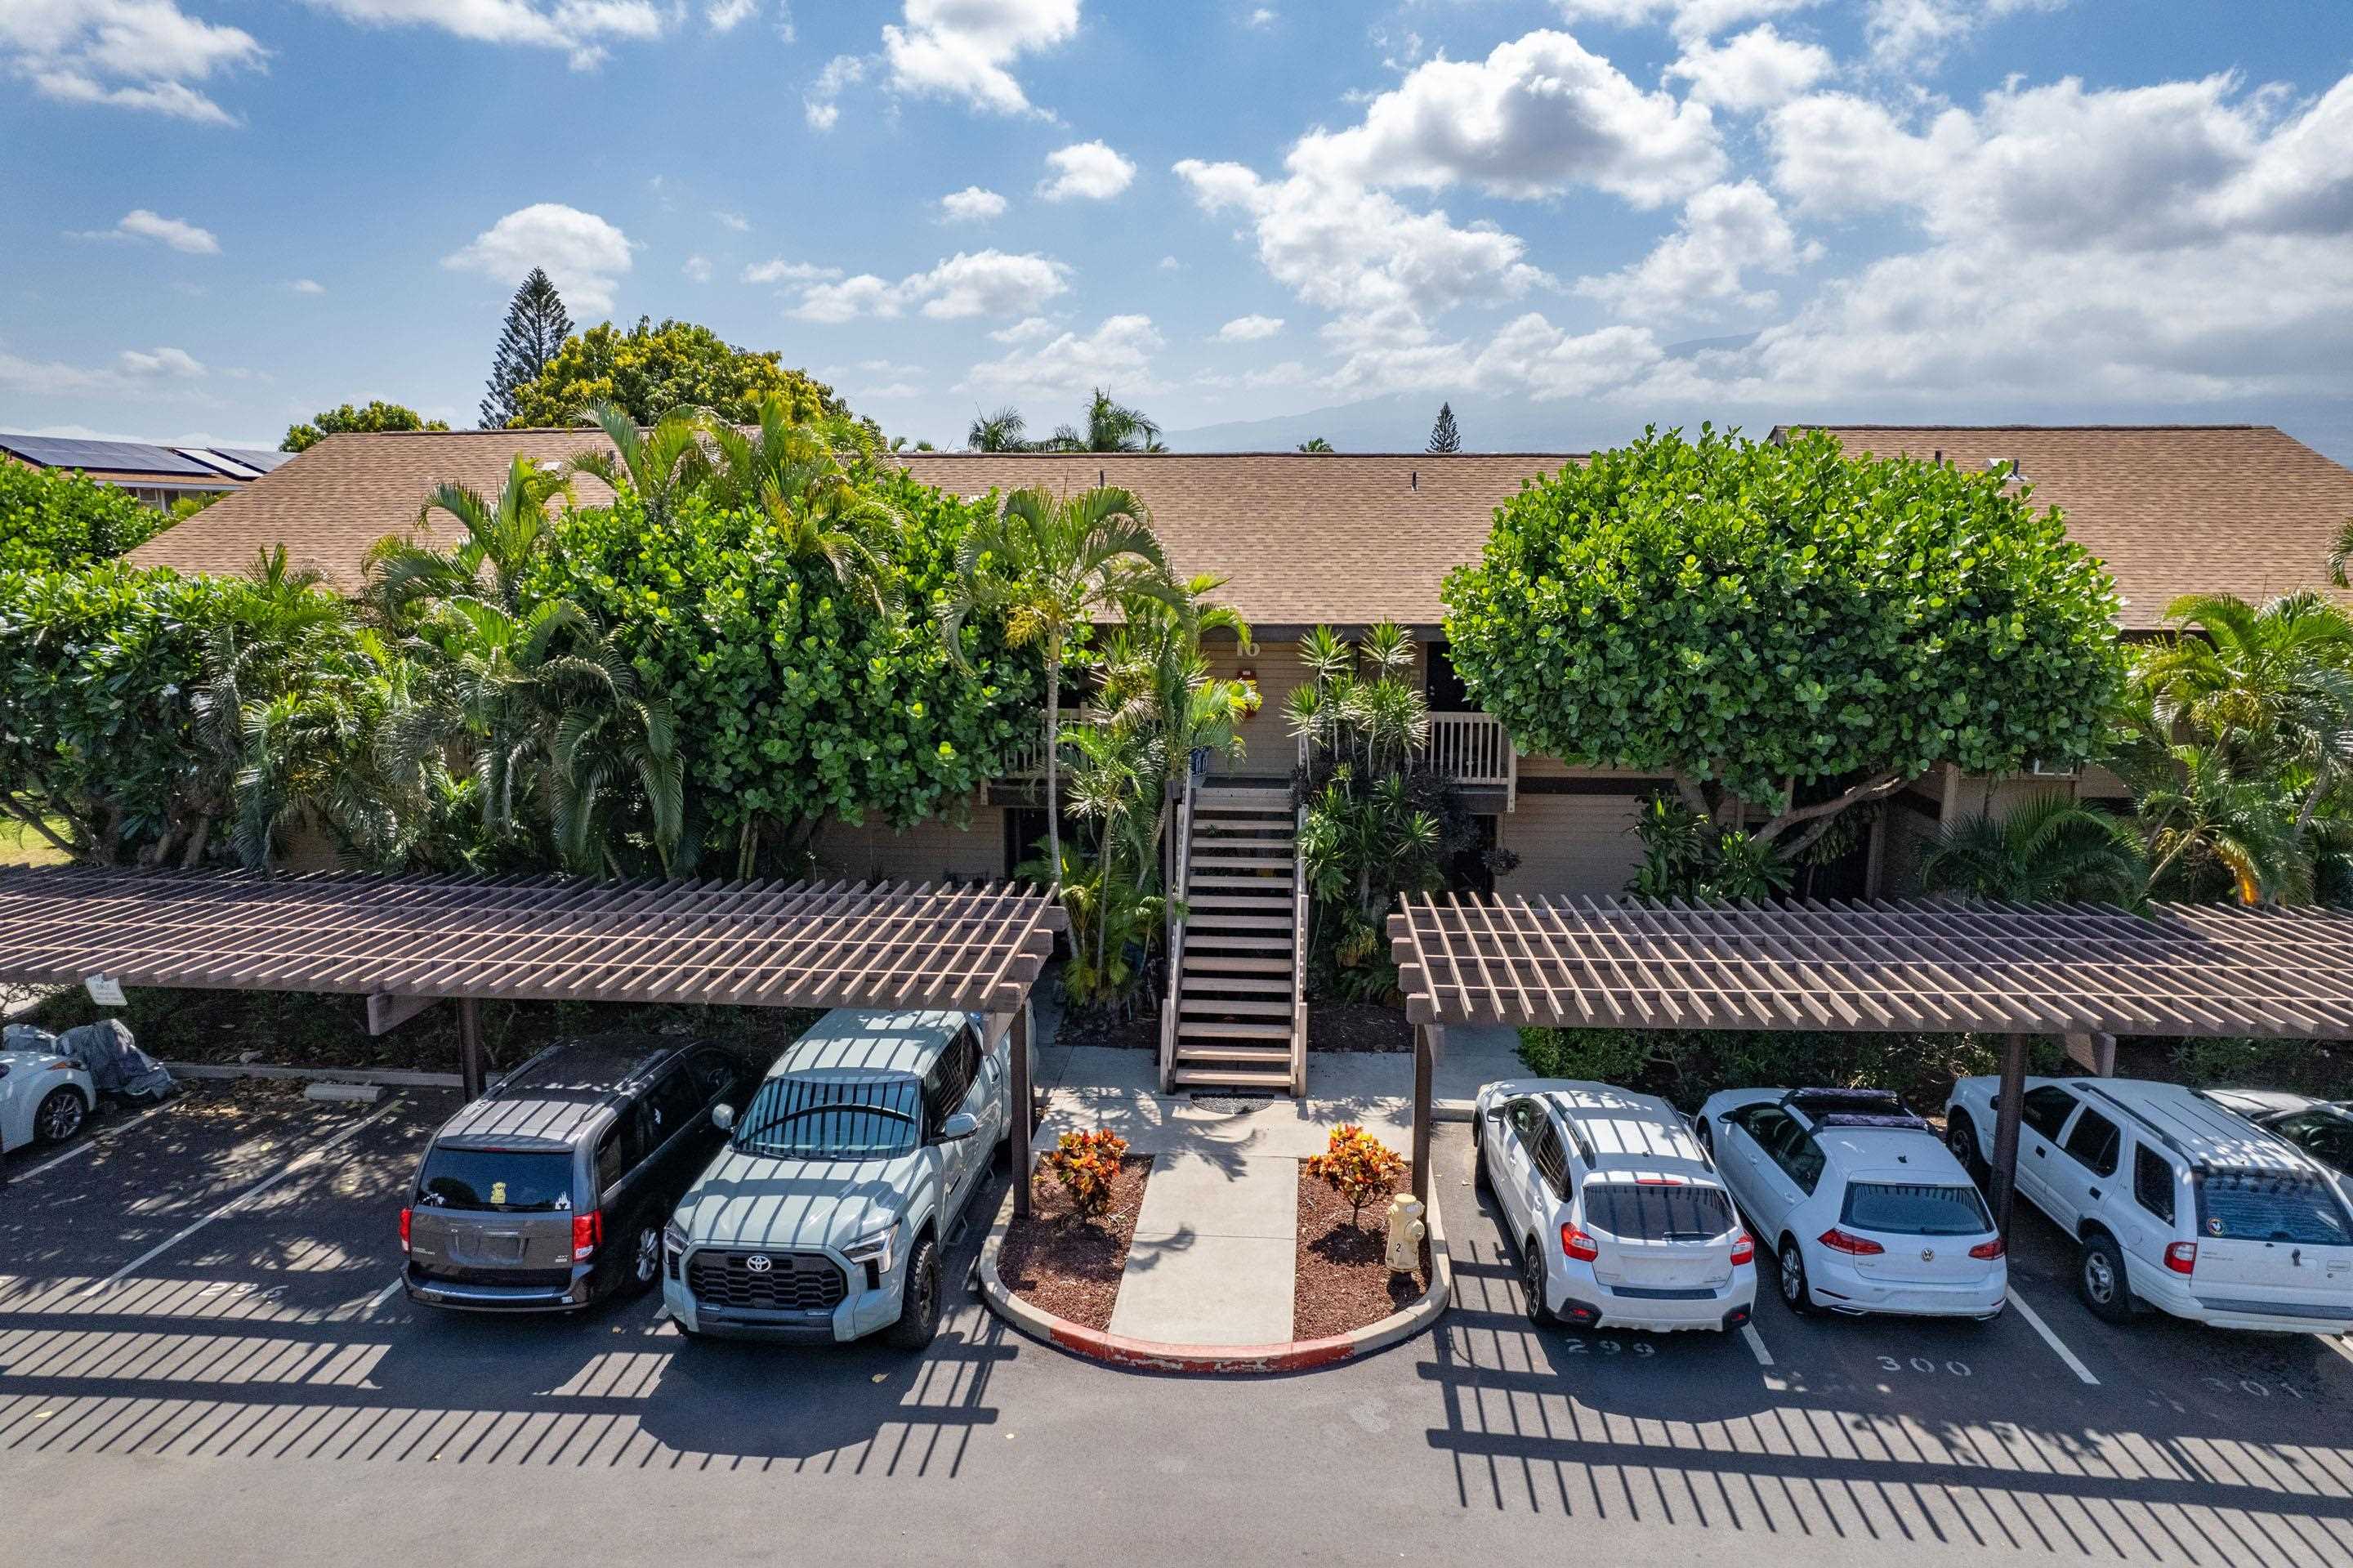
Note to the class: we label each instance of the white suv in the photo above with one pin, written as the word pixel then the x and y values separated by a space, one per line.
pixel 2176 1202
pixel 1864 1210
pixel 1617 1214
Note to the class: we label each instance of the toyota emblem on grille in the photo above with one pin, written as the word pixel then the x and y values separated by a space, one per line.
pixel 757 1262
pixel 1927 1255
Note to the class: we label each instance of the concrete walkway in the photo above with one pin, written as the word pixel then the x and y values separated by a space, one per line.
pixel 1216 1244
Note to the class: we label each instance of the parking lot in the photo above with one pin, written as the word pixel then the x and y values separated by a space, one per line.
pixel 202 1359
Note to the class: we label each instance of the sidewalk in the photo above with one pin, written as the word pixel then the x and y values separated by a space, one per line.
pixel 1216 1244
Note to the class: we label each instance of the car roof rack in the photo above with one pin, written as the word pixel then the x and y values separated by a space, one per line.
pixel 1854 1107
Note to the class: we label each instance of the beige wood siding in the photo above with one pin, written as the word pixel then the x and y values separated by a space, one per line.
pixel 1571 844
pixel 928 852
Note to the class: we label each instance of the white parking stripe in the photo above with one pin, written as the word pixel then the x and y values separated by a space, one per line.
pixel 2336 1344
pixel 2050 1338
pixel 87 1144
pixel 382 1296
pixel 1757 1344
pixel 234 1203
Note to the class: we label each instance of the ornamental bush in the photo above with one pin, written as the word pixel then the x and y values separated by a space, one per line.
pixel 54 520
pixel 1086 1164
pixel 1776 624
pixel 1358 1165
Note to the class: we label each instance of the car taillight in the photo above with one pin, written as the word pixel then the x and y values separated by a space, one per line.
pixel 1854 1245
pixel 1578 1245
pixel 2181 1257
pixel 404 1213
pixel 1988 1249
pixel 1744 1250
pixel 587 1230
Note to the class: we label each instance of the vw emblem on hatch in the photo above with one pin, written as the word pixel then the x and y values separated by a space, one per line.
pixel 1927 1255
pixel 759 1263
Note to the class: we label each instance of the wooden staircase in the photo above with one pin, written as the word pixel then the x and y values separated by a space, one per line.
pixel 1236 1016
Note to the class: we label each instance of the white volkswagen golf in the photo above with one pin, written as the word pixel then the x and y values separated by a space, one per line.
pixel 1865 1211
pixel 1618 1215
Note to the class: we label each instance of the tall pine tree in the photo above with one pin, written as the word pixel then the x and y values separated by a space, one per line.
pixel 536 327
pixel 1443 436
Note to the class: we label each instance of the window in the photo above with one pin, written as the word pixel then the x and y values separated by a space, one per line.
pixel 1804 1159
pixel 500 1180
pixel 1651 1211
pixel 2092 1143
pixel 714 1070
pixel 815 1118
pixel 1914 1209
pixel 674 1101
pixel 610 1166
pixel 1772 1128
pixel 1551 1159
pixel 2047 1109
pixel 2325 1135
pixel 2235 1205
pixel 1525 1118
pixel 2153 1182
pixel 945 1085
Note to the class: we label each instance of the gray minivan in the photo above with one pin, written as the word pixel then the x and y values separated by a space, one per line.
pixel 550 1192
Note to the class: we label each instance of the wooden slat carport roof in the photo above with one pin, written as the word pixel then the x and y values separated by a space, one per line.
pixel 1929 966
pixel 757 944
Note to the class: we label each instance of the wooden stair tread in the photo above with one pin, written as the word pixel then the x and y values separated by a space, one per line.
pixel 1233 1053
pixel 1230 1078
pixel 1200 983
pixel 1214 964
pixel 1221 1005
pixel 1243 901
pixel 1197 1030
pixel 1196 938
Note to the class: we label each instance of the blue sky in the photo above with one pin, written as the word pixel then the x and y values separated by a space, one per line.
pixel 1573 216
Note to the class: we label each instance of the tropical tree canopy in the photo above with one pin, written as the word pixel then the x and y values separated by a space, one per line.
pixel 377 416
pixel 1784 627
pixel 648 371
pixel 56 519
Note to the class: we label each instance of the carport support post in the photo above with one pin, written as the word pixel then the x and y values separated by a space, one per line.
pixel 470 1046
pixel 1021 1128
pixel 1429 1039
pixel 2008 1112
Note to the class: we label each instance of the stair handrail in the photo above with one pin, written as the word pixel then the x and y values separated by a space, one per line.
pixel 1299 952
pixel 1179 878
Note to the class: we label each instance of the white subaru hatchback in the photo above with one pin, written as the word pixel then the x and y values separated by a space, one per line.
pixel 1864 1209
pixel 1618 1215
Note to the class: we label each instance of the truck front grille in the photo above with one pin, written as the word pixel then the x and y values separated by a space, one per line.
pixel 793 1282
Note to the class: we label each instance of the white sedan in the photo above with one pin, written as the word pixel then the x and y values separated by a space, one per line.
pixel 1864 1210
pixel 44 1098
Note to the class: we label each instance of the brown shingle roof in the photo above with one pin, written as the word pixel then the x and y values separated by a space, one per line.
pixel 1350 538
pixel 2172 509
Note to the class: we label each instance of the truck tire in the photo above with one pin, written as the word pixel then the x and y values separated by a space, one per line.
pixel 919 1300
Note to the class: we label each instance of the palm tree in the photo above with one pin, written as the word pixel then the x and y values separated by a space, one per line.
pixel 2273 684
pixel 1052 567
pixel 498 537
pixel 2203 817
pixel 2050 850
pixel 2341 555
pixel 1315 444
pixel 998 432
pixel 1111 428
pixel 660 465
pixel 794 474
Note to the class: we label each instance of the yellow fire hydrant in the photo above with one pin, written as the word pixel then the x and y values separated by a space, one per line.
pixel 1406 1231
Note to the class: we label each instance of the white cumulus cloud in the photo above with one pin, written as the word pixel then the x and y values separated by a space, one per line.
pixel 975 283
pixel 963 49
pixel 1116 355
pixel 1086 169
pixel 129 54
pixel 971 205
pixel 1753 70
pixel 1250 329
pixel 581 28
pixel 176 234
pixel 779 271
pixel 586 255
pixel 1696 272
pixel 307 286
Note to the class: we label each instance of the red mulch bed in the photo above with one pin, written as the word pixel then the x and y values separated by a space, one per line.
pixel 1344 1280
pixel 1063 1263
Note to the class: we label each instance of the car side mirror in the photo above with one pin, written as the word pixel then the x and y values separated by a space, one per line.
pixel 960 1125
pixel 1495 1114
pixel 723 1117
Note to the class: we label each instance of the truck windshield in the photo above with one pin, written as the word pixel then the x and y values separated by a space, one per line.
pixel 819 1118
pixel 1914 1209
pixel 2249 1206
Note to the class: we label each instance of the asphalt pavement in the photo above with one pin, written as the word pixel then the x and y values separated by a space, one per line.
pixel 200 1363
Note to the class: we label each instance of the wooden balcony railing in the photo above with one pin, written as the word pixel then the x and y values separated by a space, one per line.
pixel 1473 749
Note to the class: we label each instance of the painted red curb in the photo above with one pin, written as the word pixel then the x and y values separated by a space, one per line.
pixel 1151 1355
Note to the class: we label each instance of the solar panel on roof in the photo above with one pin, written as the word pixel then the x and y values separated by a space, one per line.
pixel 262 457
pixel 219 460
pixel 113 457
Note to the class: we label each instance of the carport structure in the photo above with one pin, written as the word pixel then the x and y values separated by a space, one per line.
pixel 1931 967
pixel 404 942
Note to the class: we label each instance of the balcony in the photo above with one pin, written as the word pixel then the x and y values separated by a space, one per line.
pixel 1473 749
